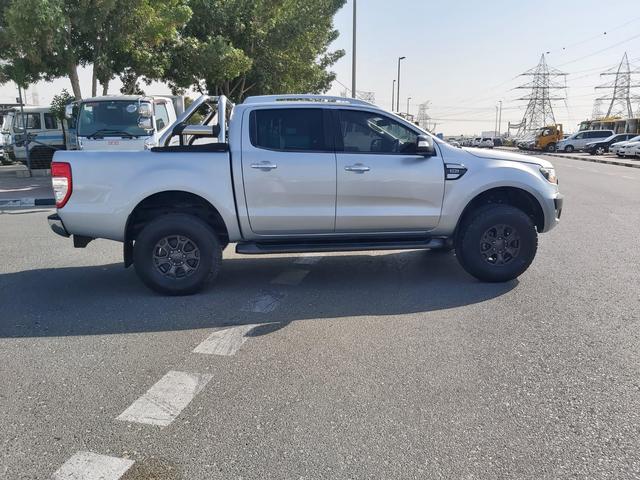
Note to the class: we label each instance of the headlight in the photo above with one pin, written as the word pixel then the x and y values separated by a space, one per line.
pixel 549 174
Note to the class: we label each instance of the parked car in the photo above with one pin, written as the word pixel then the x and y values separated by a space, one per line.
pixel 615 147
pixel 486 142
pixel 635 151
pixel 39 129
pixel 276 181
pixel 628 149
pixel 476 142
pixel 579 140
pixel 602 146
pixel 497 142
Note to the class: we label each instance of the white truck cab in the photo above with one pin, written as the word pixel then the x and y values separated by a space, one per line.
pixel 124 122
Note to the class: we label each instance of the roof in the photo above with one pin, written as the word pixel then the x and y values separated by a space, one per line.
pixel 129 98
pixel 305 98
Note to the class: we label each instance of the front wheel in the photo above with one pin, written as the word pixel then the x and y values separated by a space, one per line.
pixel 600 151
pixel 568 148
pixel 497 243
pixel 176 254
pixel 551 147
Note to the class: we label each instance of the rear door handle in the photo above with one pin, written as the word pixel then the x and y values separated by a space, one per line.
pixel 358 168
pixel 266 166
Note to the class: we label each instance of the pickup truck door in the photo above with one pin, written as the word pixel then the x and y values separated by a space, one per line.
pixel 289 171
pixel 381 185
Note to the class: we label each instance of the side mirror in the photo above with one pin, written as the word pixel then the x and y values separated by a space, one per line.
pixel 425 146
pixel 145 123
pixel 145 110
pixel 68 111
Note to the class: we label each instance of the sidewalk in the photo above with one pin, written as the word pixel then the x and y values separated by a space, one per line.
pixel 25 191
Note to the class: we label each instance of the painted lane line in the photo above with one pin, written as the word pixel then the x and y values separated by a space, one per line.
pixel 308 260
pixel 91 466
pixel 265 302
pixel 164 401
pixel 225 342
pixel 290 277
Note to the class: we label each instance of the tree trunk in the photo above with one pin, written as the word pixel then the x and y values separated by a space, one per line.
pixel 94 81
pixel 105 87
pixel 75 80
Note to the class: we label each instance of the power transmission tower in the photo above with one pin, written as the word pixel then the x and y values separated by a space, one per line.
pixel 596 113
pixel 423 118
pixel 366 96
pixel 621 99
pixel 539 111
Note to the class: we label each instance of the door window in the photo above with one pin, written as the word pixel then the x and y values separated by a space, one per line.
pixel 288 129
pixel 369 132
pixel 33 121
pixel 162 116
pixel 50 122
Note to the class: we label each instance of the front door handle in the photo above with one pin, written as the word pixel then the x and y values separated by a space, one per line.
pixel 265 166
pixel 358 168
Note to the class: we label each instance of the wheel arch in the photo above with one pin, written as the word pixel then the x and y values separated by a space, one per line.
pixel 506 195
pixel 171 201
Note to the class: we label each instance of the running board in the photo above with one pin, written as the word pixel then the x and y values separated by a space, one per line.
pixel 256 248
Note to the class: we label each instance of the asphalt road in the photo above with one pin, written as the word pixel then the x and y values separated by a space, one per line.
pixel 378 365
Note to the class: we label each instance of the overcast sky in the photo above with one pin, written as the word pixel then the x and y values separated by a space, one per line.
pixel 463 55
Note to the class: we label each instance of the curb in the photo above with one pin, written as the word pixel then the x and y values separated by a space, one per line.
pixel 28 202
pixel 596 160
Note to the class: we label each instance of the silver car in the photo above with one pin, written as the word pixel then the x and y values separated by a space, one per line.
pixel 579 140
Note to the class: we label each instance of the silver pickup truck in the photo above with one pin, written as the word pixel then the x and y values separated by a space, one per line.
pixel 302 173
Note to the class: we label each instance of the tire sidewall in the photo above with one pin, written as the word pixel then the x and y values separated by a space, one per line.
pixel 469 246
pixel 176 224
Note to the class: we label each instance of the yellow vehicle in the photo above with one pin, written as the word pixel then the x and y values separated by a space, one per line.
pixel 547 137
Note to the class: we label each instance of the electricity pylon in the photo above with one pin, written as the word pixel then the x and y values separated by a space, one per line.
pixel 621 99
pixel 539 111
pixel 423 118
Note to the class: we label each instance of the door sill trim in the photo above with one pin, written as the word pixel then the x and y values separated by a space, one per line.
pixel 338 245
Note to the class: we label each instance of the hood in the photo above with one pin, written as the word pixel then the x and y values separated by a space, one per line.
pixel 509 156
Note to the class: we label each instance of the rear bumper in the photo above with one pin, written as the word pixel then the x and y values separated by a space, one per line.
pixel 55 223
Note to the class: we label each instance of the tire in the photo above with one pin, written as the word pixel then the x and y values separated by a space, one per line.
pixel 599 151
pixel 569 148
pixel 201 254
pixel 476 254
pixel 551 147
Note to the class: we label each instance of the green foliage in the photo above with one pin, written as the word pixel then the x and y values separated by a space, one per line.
pixel 59 103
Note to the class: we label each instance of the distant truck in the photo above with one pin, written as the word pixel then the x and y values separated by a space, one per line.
pixel 125 122
pixel 544 139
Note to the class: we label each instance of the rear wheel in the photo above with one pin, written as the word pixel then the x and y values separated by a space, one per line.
pixel 176 254
pixel 600 151
pixel 551 147
pixel 497 243
pixel 569 148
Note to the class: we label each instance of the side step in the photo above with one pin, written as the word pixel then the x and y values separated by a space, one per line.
pixel 339 245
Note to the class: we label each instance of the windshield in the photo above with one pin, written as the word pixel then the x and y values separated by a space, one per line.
pixel 7 121
pixel 112 118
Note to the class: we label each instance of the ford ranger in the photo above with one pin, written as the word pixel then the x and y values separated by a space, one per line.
pixel 302 173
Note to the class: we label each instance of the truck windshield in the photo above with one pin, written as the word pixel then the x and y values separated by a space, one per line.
pixel 112 118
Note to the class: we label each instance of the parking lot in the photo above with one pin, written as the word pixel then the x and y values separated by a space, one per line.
pixel 370 365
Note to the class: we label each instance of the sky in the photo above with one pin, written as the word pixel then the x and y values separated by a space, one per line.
pixel 464 56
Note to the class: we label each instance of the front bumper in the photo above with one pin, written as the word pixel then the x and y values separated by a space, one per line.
pixel 55 223
pixel 558 201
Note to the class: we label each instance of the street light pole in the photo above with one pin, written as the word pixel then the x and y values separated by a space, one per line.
pixel 353 55
pixel 495 127
pixel 393 95
pixel 408 98
pixel 24 128
pixel 500 120
pixel 398 95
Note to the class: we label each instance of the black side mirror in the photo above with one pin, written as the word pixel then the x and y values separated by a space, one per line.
pixel 425 146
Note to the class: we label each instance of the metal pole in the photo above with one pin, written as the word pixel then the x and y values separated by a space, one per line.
pixel 353 56
pixel 24 127
pixel 398 95
pixel 500 120
pixel 495 127
pixel 393 95
pixel 408 98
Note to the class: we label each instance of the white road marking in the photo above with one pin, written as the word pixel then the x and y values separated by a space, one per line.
pixel 164 401
pixel 225 342
pixel 264 302
pixel 91 466
pixel 308 260
pixel 290 277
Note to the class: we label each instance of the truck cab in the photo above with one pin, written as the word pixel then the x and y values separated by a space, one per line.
pixel 126 122
pixel 547 138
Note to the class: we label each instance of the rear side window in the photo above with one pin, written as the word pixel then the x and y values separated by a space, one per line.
pixel 50 122
pixel 602 134
pixel 288 129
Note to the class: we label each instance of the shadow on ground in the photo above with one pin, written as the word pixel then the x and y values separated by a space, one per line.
pixel 111 300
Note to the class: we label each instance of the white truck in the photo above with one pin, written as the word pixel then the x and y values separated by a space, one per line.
pixel 124 122
pixel 302 173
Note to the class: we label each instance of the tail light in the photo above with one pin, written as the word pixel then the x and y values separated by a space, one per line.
pixel 61 181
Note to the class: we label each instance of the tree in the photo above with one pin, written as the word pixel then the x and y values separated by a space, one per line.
pixel 237 47
pixel 58 108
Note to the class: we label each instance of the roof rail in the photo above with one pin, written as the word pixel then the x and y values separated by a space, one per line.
pixel 305 98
